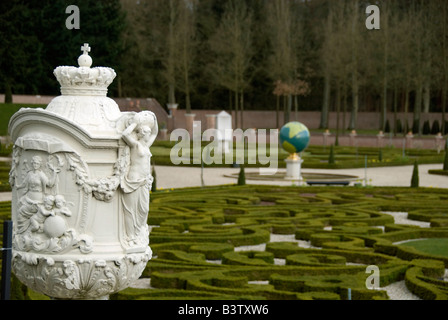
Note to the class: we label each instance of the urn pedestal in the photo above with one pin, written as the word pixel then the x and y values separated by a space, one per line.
pixel 78 206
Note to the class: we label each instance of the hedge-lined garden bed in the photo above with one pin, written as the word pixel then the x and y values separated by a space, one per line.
pixel 315 157
pixel 306 243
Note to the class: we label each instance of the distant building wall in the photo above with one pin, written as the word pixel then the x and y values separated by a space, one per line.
pixel 252 119
pixel 268 119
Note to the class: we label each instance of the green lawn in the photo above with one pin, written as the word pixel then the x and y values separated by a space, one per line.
pixel 6 112
pixel 436 246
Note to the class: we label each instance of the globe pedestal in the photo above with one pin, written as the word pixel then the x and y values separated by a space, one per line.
pixel 294 168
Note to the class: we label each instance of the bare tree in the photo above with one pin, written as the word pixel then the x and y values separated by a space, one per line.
pixel 186 35
pixel 232 45
pixel 286 36
pixel 326 64
pixel 356 41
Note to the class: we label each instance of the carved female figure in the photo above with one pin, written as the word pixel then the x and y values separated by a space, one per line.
pixel 34 184
pixel 36 181
pixel 136 182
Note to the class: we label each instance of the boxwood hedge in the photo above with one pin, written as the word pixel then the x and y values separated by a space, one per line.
pixel 306 243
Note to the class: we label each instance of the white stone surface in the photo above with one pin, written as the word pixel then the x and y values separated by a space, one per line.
pixel 293 169
pixel 80 178
pixel 224 131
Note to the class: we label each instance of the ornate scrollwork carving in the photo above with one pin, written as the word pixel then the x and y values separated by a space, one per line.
pixel 79 279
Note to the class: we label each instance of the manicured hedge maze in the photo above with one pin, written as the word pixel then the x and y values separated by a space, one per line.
pixel 307 243
pixel 5 167
pixel 225 243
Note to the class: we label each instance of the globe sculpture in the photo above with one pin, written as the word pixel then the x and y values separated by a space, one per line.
pixel 294 138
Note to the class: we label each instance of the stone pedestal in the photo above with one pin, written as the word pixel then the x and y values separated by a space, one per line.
pixel 80 181
pixel 210 124
pixel 294 168
pixel 189 121
pixel 211 121
pixel 353 136
pixel 172 108
pixel 225 132
pixel 163 134
pixel 409 140
pixel 380 139
pixel 439 142
pixel 326 134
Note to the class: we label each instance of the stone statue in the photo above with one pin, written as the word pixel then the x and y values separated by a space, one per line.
pixel 80 210
pixel 136 182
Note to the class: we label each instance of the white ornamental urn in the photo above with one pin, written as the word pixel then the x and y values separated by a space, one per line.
pixel 80 181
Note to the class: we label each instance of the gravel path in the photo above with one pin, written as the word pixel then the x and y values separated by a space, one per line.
pixel 399 291
pixel 181 177
pixel 402 218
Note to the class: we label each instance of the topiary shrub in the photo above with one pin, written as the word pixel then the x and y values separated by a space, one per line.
pixel 154 182
pixel 426 128
pixel 331 157
pixel 387 126
pixel 398 126
pixel 416 127
pixel 445 161
pixel 415 177
pixel 435 127
pixel 241 177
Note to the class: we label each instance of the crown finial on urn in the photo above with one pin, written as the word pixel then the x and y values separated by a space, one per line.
pixel 85 60
pixel 84 80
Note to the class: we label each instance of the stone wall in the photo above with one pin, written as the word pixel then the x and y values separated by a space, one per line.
pixel 267 119
pixel 252 119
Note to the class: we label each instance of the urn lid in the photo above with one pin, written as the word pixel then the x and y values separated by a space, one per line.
pixel 84 80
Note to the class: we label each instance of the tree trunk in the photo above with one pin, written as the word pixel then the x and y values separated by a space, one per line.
pixel 187 82
pixel 426 97
pixel 242 110
pixel 344 112
pixel 418 107
pixel 277 113
pixel 355 95
pixel 288 108
pixel 384 108
pixel 236 109
pixel 445 67
pixel 326 102
pixel 395 110
pixel 443 129
pixel 406 110
pixel 171 94
pixel 119 87
pixel 296 108
pixel 8 92
pixel 231 103
pixel 355 81
pixel 338 109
